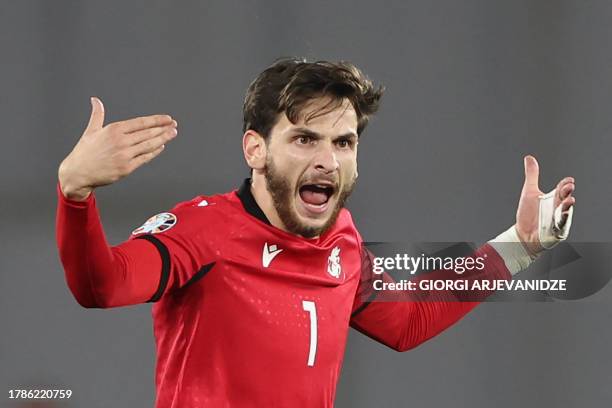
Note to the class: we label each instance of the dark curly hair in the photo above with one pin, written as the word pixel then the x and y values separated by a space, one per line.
pixel 288 84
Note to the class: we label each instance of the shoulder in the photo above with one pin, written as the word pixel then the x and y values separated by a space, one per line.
pixel 216 202
pixel 203 212
pixel 217 209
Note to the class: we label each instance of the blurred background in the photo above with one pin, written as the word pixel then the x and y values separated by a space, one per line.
pixel 472 86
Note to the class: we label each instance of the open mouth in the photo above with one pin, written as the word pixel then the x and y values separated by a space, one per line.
pixel 316 196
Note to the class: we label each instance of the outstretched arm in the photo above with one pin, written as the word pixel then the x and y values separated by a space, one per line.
pixel 542 220
pixel 99 275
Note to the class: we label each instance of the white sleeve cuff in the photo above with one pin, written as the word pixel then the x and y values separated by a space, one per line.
pixel 509 246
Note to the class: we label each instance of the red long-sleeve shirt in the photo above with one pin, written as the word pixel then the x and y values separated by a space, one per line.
pixel 246 314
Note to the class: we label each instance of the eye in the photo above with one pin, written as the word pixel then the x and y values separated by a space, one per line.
pixel 303 140
pixel 345 143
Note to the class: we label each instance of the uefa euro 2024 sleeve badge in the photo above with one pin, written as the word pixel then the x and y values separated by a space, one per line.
pixel 158 223
pixel 333 263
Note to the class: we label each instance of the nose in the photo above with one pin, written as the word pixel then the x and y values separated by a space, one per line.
pixel 325 160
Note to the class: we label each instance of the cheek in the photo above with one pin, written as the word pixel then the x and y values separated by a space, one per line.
pixel 288 165
pixel 349 170
pixel 298 155
pixel 292 162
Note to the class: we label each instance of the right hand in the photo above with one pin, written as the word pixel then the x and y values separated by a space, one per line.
pixel 105 154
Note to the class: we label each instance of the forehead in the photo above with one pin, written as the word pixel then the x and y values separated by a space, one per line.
pixel 318 116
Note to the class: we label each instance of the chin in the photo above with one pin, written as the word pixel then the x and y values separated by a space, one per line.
pixel 311 221
pixel 314 225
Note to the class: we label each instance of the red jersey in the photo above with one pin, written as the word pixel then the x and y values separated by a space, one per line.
pixel 247 315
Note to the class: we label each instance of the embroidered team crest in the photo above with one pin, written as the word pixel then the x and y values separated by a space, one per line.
pixel 333 263
pixel 158 223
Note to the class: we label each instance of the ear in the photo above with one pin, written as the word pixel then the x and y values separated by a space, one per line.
pixel 356 161
pixel 254 149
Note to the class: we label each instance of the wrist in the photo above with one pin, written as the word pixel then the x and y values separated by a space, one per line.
pixel 76 195
pixel 530 243
pixel 70 187
pixel 510 246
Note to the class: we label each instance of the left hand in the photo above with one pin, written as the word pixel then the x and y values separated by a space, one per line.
pixel 527 214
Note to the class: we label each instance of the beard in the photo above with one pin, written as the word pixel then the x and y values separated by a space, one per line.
pixel 282 194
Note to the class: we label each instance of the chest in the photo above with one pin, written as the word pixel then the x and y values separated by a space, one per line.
pixel 267 297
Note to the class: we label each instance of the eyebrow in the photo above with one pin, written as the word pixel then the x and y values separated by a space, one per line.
pixel 308 132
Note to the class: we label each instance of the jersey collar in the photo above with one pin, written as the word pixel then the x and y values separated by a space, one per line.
pixel 249 203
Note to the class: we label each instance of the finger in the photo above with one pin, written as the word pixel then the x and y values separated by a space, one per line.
pixel 152 144
pixel 567 203
pixel 142 135
pixel 566 190
pixel 145 158
pixel 144 122
pixel 565 207
pixel 532 171
pixel 96 118
pixel 563 182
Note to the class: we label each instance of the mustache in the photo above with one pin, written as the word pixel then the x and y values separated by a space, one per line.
pixel 331 181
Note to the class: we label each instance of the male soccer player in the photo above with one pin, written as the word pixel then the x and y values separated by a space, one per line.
pixel 255 289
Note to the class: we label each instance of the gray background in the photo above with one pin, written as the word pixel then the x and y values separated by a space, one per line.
pixel 472 86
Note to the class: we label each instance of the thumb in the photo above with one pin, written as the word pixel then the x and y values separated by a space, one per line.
pixel 96 120
pixel 532 171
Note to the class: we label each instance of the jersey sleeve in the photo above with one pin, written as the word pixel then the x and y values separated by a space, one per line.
pixel 186 241
pixel 404 319
pixel 142 269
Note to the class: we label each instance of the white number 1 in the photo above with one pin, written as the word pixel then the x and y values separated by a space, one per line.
pixel 310 307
